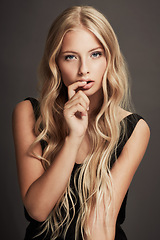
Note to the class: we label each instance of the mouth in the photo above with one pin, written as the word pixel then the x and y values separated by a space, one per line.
pixel 89 81
pixel 88 85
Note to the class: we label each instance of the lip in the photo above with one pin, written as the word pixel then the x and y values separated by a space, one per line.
pixel 85 80
pixel 89 84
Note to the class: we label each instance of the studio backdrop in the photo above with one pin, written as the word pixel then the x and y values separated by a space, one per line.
pixel 24 27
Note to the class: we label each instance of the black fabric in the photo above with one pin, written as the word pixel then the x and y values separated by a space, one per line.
pixel 34 227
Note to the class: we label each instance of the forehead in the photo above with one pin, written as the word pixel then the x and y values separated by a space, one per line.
pixel 80 39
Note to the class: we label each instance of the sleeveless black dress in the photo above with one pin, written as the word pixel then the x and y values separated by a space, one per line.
pixel 34 226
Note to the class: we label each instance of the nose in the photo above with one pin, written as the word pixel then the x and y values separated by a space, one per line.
pixel 83 68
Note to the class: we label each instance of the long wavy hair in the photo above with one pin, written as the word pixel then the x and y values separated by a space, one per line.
pixel 93 178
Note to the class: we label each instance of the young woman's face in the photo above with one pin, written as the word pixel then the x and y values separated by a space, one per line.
pixel 82 58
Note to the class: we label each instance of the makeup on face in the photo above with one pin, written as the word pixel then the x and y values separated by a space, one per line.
pixel 82 58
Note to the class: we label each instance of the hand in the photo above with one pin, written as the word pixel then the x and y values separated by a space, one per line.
pixel 75 110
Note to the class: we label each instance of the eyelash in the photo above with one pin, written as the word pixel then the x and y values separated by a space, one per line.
pixel 93 55
pixel 98 54
pixel 69 57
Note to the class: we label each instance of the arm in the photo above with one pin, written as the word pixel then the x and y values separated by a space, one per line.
pixel 41 189
pixel 128 162
pixel 122 174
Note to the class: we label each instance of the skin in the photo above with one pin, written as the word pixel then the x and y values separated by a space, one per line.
pixel 41 189
pixel 78 64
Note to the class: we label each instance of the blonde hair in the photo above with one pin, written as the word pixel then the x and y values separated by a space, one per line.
pixel 94 177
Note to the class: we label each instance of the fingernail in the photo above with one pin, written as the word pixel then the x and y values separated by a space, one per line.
pixel 88 109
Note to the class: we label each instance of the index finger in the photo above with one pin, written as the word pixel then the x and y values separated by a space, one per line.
pixel 73 87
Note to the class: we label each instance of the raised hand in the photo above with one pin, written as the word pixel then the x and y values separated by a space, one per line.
pixel 75 109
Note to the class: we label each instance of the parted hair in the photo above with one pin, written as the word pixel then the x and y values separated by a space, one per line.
pixel 93 179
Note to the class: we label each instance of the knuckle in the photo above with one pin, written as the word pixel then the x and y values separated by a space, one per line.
pixel 80 92
pixel 64 109
pixel 65 105
pixel 78 104
pixel 80 98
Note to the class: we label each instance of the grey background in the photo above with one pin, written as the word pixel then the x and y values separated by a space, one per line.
pixel 24 26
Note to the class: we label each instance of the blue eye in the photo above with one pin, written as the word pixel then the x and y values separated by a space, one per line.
pixel 69 57
pixel 96 54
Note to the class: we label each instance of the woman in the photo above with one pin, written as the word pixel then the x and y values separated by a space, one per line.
pixel 78 147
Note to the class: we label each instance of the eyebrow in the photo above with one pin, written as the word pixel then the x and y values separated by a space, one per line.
pixel 93 49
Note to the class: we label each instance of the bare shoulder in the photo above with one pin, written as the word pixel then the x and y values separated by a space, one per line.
pixel 23 109
pixel 142 130
pixel 137 144
pixel 23 114
pixel 23 120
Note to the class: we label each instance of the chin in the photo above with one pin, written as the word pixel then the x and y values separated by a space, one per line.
pixel 93 93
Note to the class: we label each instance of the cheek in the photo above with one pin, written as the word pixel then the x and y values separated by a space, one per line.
pixel 101 67
pixel 66 75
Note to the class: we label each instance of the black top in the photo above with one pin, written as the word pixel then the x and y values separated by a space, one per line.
pixel 34 226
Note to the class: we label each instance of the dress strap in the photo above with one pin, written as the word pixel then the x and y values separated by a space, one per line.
pixel 131 122
pixel 36 109
pixel 35 105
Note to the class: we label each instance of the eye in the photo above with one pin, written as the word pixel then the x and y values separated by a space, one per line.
pixel 69 57
pixel 96 54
